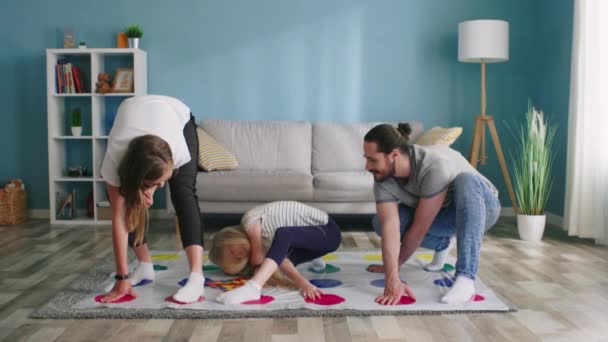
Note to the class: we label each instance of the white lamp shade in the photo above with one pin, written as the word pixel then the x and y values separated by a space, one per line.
pixel 483 41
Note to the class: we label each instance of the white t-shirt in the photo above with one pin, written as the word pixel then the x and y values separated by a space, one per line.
pixel 162 116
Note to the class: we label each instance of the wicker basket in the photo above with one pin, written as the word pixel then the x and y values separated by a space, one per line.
pixel 12 206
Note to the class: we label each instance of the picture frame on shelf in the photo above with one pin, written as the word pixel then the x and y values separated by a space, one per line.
pixel 123 81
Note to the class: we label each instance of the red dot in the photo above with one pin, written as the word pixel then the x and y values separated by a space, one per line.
pixel 326 299
pixel 407 300
pixel 123 299
pixel 478 298
pixel 263 300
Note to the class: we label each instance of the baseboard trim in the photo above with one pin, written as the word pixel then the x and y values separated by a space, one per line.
pixel 43 214
pixel 552 218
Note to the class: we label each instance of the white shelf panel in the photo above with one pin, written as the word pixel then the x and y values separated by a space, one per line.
pixel 108 52
pixel 73 95
pixel 101 137
pixel 115 94
pixel 74 179
pixel 71 137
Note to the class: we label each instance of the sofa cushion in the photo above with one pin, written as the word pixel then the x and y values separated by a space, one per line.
pixel 347 186
pixel 265 145
pixel 254 185
pixel 339 146
pixel 440 136
pixel 212 156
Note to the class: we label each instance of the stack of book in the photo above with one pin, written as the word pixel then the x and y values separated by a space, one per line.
pixel 69 78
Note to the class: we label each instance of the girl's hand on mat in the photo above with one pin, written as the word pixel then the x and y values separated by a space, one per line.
pixel 121 288
pixel 393 291
pixel 311 291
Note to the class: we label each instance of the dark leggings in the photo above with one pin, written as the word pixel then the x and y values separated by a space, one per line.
pixel 302 244
pixel 183 193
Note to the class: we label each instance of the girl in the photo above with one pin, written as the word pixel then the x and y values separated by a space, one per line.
pixel 277 235
pixel 153 140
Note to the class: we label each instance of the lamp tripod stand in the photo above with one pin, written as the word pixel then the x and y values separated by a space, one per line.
pixel 479 140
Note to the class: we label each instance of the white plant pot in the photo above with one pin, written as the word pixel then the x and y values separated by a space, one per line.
pixel 531 227
pixel 134 43
pixel 76 131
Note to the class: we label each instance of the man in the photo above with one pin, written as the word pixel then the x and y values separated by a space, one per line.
pixel 425 196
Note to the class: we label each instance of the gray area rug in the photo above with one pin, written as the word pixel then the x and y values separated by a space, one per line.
pixel 60 307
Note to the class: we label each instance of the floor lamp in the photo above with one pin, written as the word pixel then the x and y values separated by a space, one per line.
pixel 485 41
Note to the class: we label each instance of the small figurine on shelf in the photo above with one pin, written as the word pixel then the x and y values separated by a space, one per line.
pixel 103 84
pixel 82 45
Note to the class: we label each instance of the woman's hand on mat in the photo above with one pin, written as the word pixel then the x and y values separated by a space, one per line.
pixel 393 291
pixel 121 288
pixel 311 291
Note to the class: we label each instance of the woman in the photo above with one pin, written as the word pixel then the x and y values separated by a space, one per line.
pixel 277 235
pixel 153 140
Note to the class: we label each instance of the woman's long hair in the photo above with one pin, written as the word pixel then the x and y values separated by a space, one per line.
pixel 232 265
pixel 147 159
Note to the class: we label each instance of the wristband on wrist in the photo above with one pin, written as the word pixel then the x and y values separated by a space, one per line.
pixel 121 276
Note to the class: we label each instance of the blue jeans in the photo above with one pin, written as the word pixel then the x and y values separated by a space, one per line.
pixel 474 209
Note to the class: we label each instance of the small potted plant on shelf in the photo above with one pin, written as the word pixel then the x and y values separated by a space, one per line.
pixel 134 32
pixel 532 173
pixel 76 122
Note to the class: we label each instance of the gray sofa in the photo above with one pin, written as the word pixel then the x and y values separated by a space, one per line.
pixel 320 164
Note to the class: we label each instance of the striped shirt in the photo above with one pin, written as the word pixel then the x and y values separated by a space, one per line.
pixel 275 215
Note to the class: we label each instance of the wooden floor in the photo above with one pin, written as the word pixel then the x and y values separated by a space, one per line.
pixel 559 285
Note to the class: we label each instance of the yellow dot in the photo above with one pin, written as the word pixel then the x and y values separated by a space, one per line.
pixel 425 256
pixel 205 257
pixel 165 257
pixel 373 257
pixel 330 256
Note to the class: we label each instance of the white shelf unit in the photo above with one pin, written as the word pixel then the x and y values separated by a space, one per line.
pixel 87 150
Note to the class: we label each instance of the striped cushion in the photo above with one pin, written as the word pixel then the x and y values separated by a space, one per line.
pixel 440 136
pixel 212 156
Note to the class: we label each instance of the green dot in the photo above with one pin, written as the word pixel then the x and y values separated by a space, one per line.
pixel 448 267
pixel 160 267
pixel 331 268
pixel 210 268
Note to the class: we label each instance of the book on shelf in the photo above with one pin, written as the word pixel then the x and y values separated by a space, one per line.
pixel 67 205
pixel 69 78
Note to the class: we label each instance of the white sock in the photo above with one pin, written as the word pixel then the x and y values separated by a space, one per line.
pixel 143 270
pixel 318 265
pixel 461 292
pixel 193 290
pixel 247 292
pixel 439 258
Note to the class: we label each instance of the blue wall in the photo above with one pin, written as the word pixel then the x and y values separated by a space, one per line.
pixel 311 60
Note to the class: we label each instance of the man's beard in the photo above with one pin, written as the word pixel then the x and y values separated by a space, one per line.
pixel 381 177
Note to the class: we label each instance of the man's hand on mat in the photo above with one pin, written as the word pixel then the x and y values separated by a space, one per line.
pixel 311 291
pixel 393 291
pixel 121 288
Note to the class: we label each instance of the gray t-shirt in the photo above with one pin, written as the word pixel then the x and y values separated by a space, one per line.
pixel 432 170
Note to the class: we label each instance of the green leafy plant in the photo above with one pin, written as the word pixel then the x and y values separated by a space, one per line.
pixel 134 31
pixel 533 162
pixel 76 118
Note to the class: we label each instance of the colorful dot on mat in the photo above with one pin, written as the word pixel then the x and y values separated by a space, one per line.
pixel 330 256
pixel 183 282
pixel 373 257
pixel 478 298
pixel 448 268
pixel 326 299
pixel 165 256
pixel 172 300
pixel 263 300
pixel 325 283
pixel 425 256
pixel 205 257
pixel 328 269
pixel 143 282
pixel 375 268
pixel 160 267
pixel 406 300
pixel 210 268
pixel 445 282
pixel 378 283
pixel 123 299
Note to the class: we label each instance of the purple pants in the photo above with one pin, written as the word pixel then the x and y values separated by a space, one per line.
pixel 302 244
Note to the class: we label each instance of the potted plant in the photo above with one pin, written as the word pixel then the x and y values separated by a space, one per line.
pixel 76 122
pixel 532 173
pixel 134 32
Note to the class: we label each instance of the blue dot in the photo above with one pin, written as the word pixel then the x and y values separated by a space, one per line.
pixel 325 283
pixel 378 283
pixel 445 282
pixel 143 282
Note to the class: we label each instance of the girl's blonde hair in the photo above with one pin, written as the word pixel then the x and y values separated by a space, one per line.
pixel 235 235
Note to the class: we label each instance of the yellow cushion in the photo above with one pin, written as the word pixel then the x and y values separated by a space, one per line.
pixel 212 156
pixel 440 136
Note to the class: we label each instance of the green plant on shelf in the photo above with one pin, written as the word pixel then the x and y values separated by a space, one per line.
pixel 134 31
pixel 76 117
